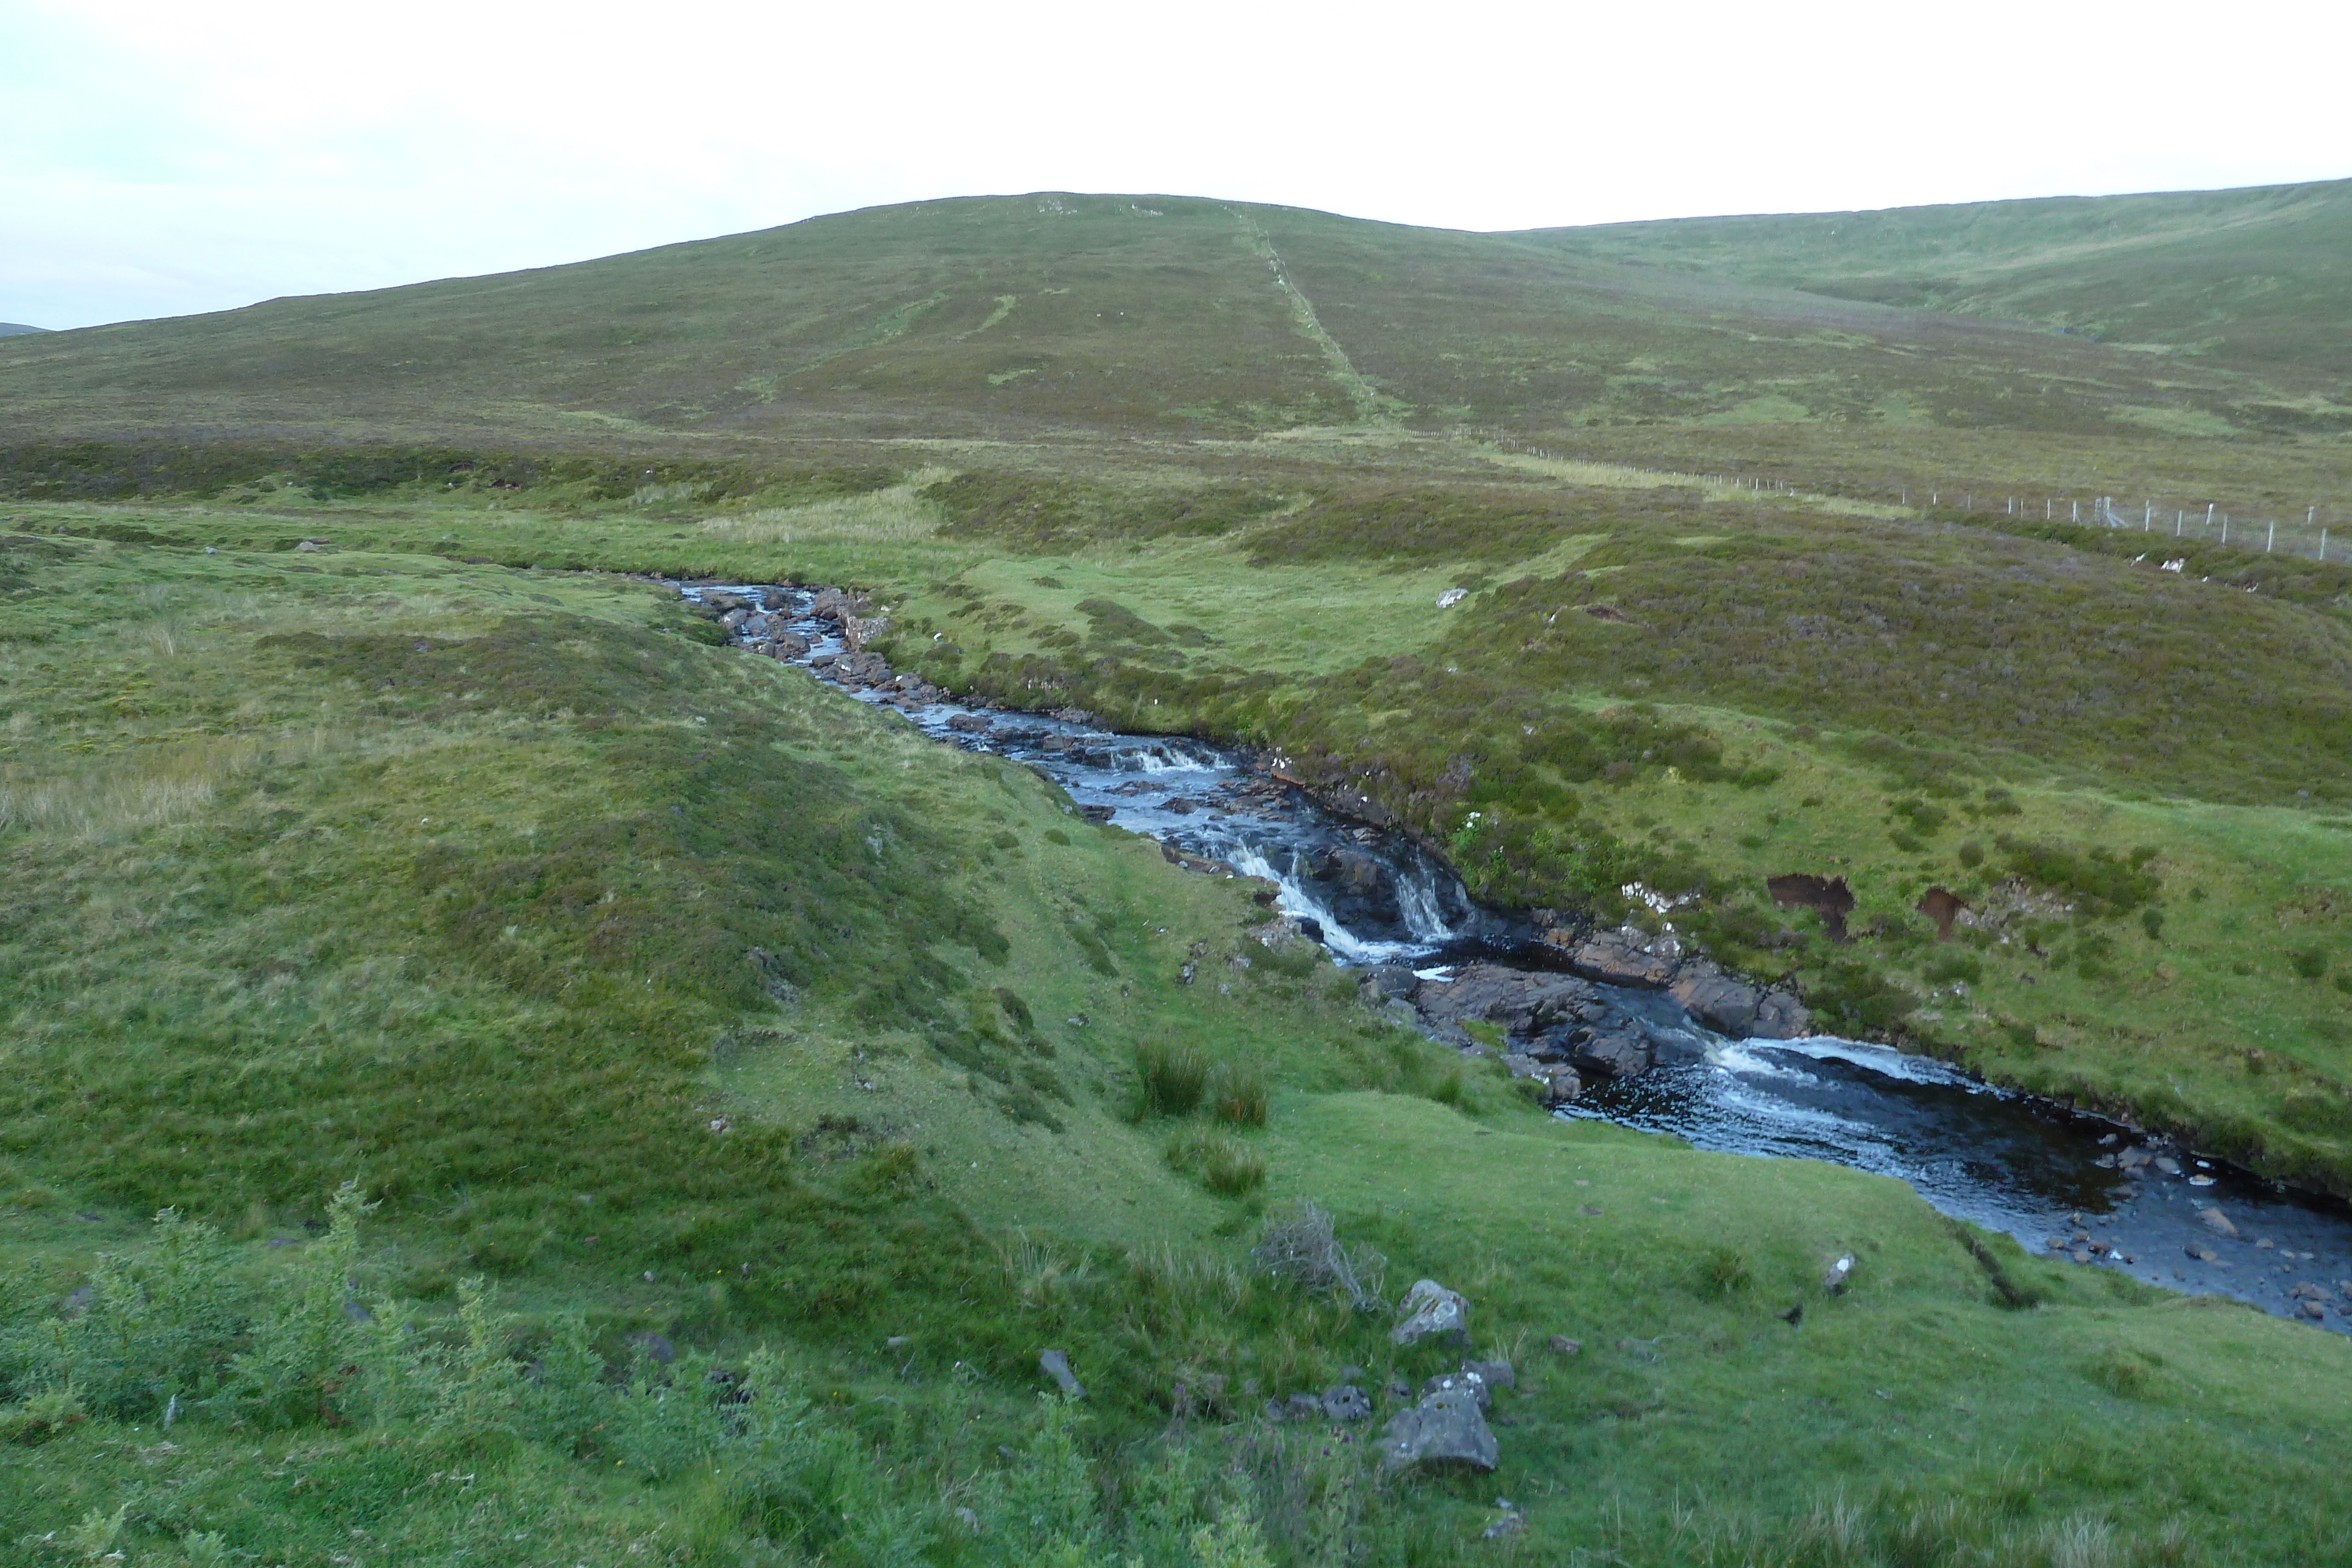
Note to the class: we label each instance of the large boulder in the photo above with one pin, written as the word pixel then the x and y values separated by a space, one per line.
pixel 1617 1049
pixel 1521 1002
pixel 1446 1430
pixel 861 669
pixel 1429 1310
pixel 1629 957
pixel 1725 1005
pixel 832 605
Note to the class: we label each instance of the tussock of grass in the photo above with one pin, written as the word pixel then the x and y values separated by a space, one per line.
pixel 1216 1161
pixel 1170 1078
pixel 1237 1093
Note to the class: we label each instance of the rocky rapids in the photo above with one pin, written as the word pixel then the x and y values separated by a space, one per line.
pixel 1617 1024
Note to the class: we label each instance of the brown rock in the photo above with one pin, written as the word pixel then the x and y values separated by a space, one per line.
pixel 1629 957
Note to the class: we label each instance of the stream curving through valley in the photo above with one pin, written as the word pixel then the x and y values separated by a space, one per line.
pixel 2062 1183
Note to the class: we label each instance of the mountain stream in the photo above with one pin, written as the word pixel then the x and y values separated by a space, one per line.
pixel 2062 1182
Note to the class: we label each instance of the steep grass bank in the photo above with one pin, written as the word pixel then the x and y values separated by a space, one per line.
pixel 496 891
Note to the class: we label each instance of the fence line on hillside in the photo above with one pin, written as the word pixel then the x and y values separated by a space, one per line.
pixel 2321 533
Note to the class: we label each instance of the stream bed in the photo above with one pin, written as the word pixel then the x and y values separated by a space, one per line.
pixel 2062 1182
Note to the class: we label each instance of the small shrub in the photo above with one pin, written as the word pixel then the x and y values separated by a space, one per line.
pixel 2152 921
pixel 1971 854
pixel 1302 1245
pixel 1450 1089
pixel 1950 966
pixel 2308 963
pixel 42 1416
pixel 1237 1093
pixel 1170 1078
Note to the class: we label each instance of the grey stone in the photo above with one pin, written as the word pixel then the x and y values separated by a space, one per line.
pixel 1394 980
pixel 1430 1308
pixel 2217 1222
pixel 1055 1364
pixel 1521 1002
pixel 653 1347
pixel 1347 1403
pixel 1834 1277
pixel 1616 1050
pixel 1780 1016
pixel 1563 1346
pixel 1464 1381
pixel 1445 1431
pixel 1725 1005
pixel 1503 1529
pixel 2167 1165
pixel 1495 1373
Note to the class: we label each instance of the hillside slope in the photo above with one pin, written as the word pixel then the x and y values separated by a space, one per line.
pixel 1024 315
pixel 2256 278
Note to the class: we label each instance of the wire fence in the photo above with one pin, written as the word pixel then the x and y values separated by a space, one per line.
pixel 2321 533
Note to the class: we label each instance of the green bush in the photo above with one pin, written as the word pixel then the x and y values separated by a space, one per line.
pixel 1950 965
pixel 2102 884
pixel 2308 963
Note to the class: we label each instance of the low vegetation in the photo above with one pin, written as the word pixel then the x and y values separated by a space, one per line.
pixel 495 1073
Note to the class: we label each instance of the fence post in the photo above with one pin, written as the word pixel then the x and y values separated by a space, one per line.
pixel 2148 518
pixel 2269 538
pixel 2323 544
pixel 2178 519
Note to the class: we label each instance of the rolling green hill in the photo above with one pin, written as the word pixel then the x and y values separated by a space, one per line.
pixel 2259 278
pixel 1019 317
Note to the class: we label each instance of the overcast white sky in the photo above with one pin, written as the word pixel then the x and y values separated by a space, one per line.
pixel 159 157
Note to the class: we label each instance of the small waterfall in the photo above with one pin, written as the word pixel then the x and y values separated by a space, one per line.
pixel 1296 900
pixel 1171 759
pixel 1416 897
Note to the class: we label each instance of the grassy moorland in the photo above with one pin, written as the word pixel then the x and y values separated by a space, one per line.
pixel 2252 276
pixel 648 990
pixel 671 993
